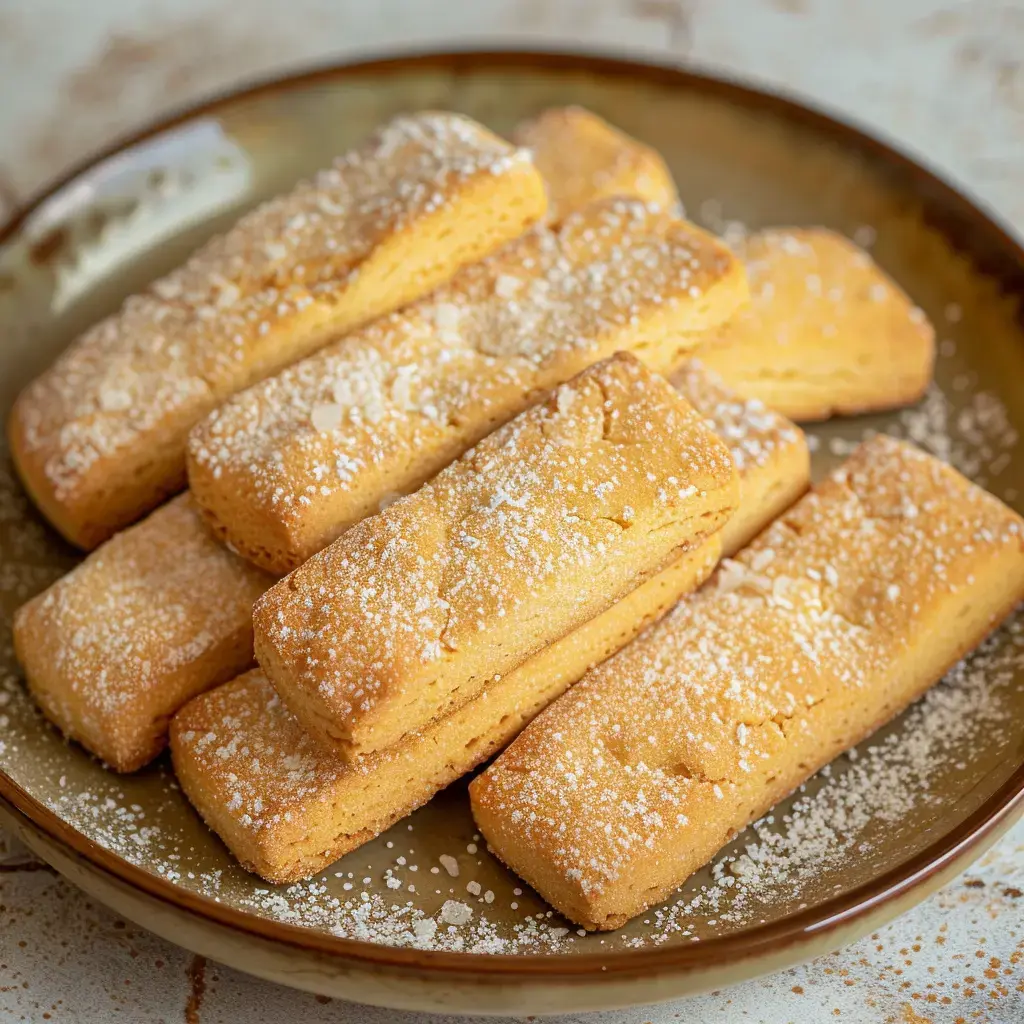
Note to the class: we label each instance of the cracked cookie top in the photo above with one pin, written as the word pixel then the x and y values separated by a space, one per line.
pixel 543 525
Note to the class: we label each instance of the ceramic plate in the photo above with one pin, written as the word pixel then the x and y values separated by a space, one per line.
pixel 869 836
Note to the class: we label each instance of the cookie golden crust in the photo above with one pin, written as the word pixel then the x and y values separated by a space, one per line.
pixel 827 332
pixel 582 158
pixel 156 615
pixel 287 808
pixel 99 438
pixel 540 527
pixel 837 617
pixel 284 468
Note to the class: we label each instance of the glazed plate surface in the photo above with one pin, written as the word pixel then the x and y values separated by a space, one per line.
pixel 869 836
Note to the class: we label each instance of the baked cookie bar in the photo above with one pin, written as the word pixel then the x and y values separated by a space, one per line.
pixel 156 615
pixel 287 808
pixel 582 158
pixel 284 468
pixel 826 332
pixel 830 623
pixel 99 438
pixel 543 525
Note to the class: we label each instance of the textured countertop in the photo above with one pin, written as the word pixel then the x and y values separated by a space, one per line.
pixel 946 81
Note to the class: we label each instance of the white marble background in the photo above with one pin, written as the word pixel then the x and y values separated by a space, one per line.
pixel 944 80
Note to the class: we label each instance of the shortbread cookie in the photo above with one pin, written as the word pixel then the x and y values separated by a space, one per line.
pixel 582 158
pixel 826 332
pixel 837 617
pixel 287 808
pixel 159 613
pixel 99 439
pixel 770 452
pixel 289 465
pixel 543 525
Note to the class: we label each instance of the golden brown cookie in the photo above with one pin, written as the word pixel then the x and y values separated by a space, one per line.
pixel 99 438
pixel 770 452
pixel 542 526
pixel 838 616
pixel 287 809
pixel 582 158
pixel 827 332
pixel 156 615
pixel 170 556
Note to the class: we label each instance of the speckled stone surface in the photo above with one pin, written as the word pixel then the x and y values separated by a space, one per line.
pixel 946 81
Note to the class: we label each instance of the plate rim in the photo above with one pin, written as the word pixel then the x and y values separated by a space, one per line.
pixel 957 214
pixel 804 926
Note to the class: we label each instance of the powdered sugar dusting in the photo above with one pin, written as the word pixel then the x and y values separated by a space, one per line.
pixel 752 431
pixel 872 788
pixel 977 437
pixel 802 850
pixel 412 611
pixel 141 819
pixel 116 645
pixel 956 741
pixel 644 759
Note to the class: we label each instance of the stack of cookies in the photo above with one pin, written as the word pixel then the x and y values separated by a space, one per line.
pixel 466 426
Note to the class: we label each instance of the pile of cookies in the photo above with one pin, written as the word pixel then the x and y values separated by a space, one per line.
pixel 487 447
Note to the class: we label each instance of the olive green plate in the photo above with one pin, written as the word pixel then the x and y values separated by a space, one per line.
pixel 867 838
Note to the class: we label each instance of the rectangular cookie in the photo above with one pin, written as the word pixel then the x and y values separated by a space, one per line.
pixel 827 332
pixel 99 438
pixel 287 466
pixel 831 622
pixel 286 808
pixel 582 158
pixel 543 525
pixel 156 615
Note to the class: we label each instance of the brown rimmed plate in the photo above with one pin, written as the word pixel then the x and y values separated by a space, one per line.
pixel 864 841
